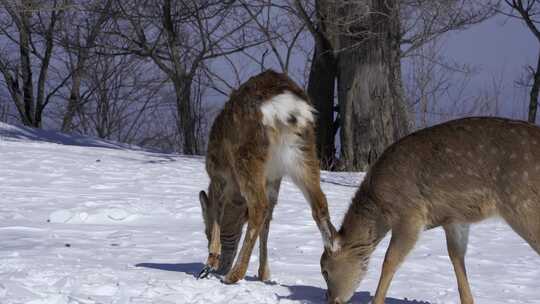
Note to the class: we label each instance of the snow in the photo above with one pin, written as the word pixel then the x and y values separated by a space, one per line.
pixel 88 221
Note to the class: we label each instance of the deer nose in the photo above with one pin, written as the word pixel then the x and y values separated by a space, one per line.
pixel 329 300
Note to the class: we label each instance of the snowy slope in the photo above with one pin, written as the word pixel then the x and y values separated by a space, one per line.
pixel 86 221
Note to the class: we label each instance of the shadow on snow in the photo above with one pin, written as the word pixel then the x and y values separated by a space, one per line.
pixel 192 269
pixel 314 294
pixel 302 293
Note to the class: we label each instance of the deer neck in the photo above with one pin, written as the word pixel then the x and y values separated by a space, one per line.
pixel 363 227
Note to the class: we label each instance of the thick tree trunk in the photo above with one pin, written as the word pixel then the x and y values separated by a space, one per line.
pixel 533 102
pixel 370 93
pixel 49 44
pixel 321 92
pixel 182 81
pixel 186 122
pixel 26 71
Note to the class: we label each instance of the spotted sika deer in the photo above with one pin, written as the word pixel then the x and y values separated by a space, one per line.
pixel 265 131
pixel 449 175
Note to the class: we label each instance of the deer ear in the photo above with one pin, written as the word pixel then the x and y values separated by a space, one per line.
pixel 203 198
pixel 331 239
pixel 336 244
pixel 333 245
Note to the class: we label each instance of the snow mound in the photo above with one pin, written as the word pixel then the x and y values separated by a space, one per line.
pixel 108 216
pixel 11 132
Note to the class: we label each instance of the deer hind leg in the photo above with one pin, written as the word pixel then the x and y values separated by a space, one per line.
pixel 404 236
pixel 526 223
pixel 457 237
pixel 273 192
pixel 252 186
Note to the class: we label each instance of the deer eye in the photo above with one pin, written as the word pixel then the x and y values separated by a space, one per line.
pixel 325 274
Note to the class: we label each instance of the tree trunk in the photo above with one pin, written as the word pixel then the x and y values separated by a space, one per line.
pixel 321 92
pixel 26 71
pixel 49 44
pixel 12 84
pixel 74 97
pixel 370 91
pixel 83 52
pixel 533 102
pixel 186 122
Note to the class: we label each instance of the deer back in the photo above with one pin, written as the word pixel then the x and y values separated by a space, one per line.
pixel 461 171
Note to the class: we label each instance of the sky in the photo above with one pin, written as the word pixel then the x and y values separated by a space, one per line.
pixel 498 43
pixel 499 48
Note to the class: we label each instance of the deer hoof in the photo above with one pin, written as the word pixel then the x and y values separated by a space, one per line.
pixel 264 275
pixel 231 278
pixel 204 272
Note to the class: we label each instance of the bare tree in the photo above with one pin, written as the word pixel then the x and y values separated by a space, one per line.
pixel 117 98
pixel 424 84
pixel 286 48
pixel 322 79
pixel 442 93
pixel 352 37
pixel 372 107
pixel 281 30
pixel 21 22
pixel 179 37
pixel 365 39
pixel 433 83
pixel 81 30
pixel 425 20
pixel 528 11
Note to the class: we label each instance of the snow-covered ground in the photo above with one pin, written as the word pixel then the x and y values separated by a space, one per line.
pixel 86 221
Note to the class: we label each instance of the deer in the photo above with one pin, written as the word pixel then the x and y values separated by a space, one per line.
pixel 449 175
pixel 264 132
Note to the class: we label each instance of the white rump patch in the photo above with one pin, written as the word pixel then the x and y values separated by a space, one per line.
pixel 288 109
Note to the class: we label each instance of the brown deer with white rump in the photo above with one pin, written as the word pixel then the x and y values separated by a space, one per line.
pixel 449 175
pixel 265 131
